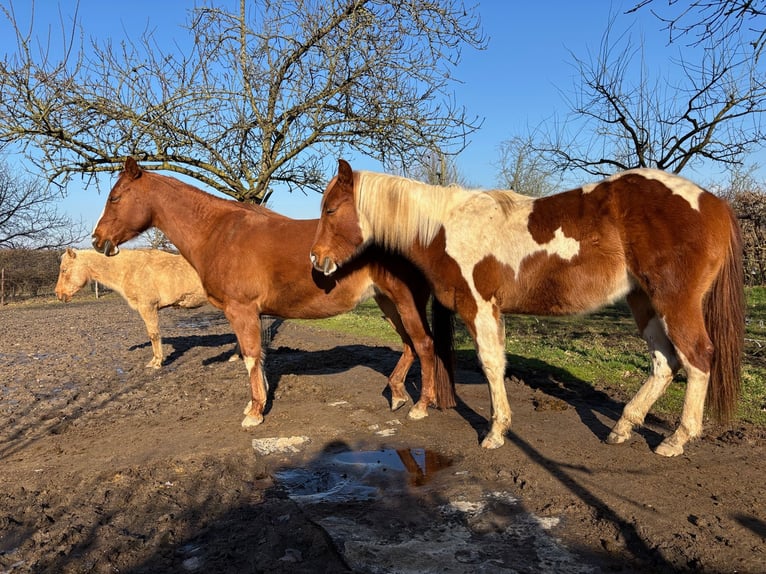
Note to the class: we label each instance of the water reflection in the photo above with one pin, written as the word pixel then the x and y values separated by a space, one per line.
pixel 358 475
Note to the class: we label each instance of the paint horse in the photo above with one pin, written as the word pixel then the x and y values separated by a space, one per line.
pixel 148 279
pixel 252 261
pixel 672 249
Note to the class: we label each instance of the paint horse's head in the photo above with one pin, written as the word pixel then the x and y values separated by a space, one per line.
pixel 339 233
pixel 72 277
pixel 127 211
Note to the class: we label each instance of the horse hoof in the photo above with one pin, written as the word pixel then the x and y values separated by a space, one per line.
pixel 252 421
pixel 668 448
pixel 154 364
pixel 491 442
pixel 417 412
pixel 234 358
pixel 396 404
pixel 615 438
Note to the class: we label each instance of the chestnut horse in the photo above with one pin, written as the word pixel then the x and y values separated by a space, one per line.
pixel 252 261
pixel 671 248
pixel 148 279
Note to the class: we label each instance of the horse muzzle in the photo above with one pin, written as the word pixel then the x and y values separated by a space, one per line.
pixel 328 266
pixel 107 247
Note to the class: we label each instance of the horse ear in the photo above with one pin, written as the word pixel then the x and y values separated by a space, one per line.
pixel 345 174
pixel 71 252
pixel 132 169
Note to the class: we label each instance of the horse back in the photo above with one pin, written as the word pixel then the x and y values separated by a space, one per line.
pixel 579 250
pixel 155 277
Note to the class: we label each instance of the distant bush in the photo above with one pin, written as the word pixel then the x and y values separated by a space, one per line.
pixel 28 272
pixel 750 207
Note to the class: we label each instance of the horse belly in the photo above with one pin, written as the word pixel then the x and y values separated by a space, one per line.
pixel 310 300
pixel 566 292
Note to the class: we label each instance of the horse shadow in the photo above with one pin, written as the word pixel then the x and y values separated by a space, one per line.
pixel 558 383
pixel 182 344
pixel 285 360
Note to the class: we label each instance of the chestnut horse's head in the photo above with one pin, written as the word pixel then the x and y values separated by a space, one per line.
pixel 339 234
pixel 127 211
pixel 72 277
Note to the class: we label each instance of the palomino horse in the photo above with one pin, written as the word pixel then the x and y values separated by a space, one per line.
pixel 148 279
pixel 672 248
pixel 253 261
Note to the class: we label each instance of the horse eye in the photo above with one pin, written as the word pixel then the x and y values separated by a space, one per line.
pixel 330 210
pixel 114 198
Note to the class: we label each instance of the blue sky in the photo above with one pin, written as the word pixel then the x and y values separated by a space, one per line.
pixel 515 84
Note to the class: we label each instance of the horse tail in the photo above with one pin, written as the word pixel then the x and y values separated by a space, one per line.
pixel 443 327
pixel 725 324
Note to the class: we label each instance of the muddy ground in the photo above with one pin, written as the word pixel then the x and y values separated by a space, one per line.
pixel 107 466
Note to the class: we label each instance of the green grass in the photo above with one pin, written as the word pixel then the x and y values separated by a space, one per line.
pixel 602 350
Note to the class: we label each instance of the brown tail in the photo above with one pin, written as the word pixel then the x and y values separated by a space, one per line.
pixel 725 323
pixel 443 327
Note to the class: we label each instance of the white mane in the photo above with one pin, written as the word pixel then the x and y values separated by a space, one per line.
pixel 397 211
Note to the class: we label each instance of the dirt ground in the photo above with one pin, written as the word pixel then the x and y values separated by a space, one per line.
pixel 107 466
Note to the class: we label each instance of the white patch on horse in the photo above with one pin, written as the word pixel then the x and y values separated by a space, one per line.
pixel 480 228
pixel 676 184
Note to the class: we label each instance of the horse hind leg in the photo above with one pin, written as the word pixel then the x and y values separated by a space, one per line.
pixel 151 320
pixel 663 365
pixel 695 354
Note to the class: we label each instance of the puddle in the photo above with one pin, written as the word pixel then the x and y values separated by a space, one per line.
pixel 419 464
pixel 353 476
pixel 367 502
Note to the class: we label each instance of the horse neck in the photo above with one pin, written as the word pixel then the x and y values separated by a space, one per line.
pixel 184 214
pixel 103 269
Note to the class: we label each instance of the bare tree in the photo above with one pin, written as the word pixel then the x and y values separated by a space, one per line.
pixel 436 168
pixel 524 169
pixel 29 217
pixel 704 20
pixel 256 95
pixel 622 116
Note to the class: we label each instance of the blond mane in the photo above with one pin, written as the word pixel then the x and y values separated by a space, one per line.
pixel 398 211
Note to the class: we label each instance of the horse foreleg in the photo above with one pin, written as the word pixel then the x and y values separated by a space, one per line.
pixel 490 343
pixel 411 326
pixel 397 377
pixel 258 391
pixel 247 326
pixel 151 319
pixel 399 396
